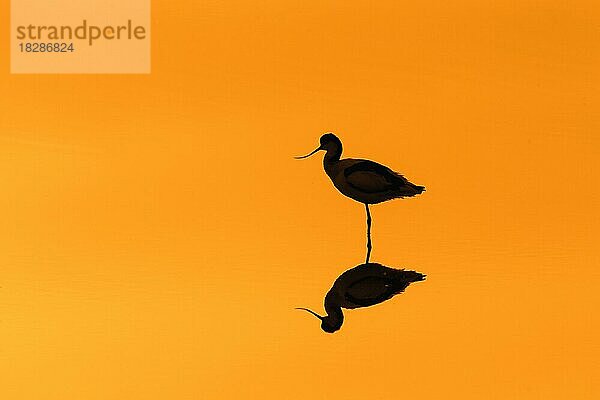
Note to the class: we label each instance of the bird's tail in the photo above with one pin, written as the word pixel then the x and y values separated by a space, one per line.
pixel 410 189
pixel 404 278
pixel 418 189
pixel 412 276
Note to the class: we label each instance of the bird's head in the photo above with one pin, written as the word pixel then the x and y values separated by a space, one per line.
pixel 328 324
pixel 327 139
pixel 328 327
pixel 330 143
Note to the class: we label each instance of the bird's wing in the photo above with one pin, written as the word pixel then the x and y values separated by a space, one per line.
pixel 369 291
pixel 370 177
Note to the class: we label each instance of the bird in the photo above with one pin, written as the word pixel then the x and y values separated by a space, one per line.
pixel 365 181
pixel 362 286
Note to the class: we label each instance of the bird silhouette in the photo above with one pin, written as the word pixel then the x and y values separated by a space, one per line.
pixel 362 180
pixel 362 286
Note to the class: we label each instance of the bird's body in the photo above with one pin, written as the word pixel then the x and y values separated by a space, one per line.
pixel 363 286
pixel 363 180
pixel 368 182
pixel 369 284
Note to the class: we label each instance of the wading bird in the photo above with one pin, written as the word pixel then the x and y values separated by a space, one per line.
pixel 362 286
pixel 362 180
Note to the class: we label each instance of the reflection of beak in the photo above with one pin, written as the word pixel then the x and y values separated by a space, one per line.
pixel 306 309
pixel 308 155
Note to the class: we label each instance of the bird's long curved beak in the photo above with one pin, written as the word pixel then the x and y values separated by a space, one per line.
pixel 310 154
pixel 310 311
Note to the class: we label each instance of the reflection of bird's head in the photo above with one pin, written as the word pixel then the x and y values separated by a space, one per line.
pixel 329 323
pixel 325 325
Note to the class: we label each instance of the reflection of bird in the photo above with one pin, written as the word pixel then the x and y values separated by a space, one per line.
pixel 362 286
pixel 363 180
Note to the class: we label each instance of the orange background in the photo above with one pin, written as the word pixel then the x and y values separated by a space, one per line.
pixel 157 234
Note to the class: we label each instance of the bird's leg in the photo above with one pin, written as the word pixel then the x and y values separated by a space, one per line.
pixel 368 233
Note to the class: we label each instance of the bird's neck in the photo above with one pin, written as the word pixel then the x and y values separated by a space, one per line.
pixel 335 316
pixel 333 154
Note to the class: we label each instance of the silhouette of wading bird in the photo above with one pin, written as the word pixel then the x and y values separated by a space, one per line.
pixel 362 180
pixel 362 286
